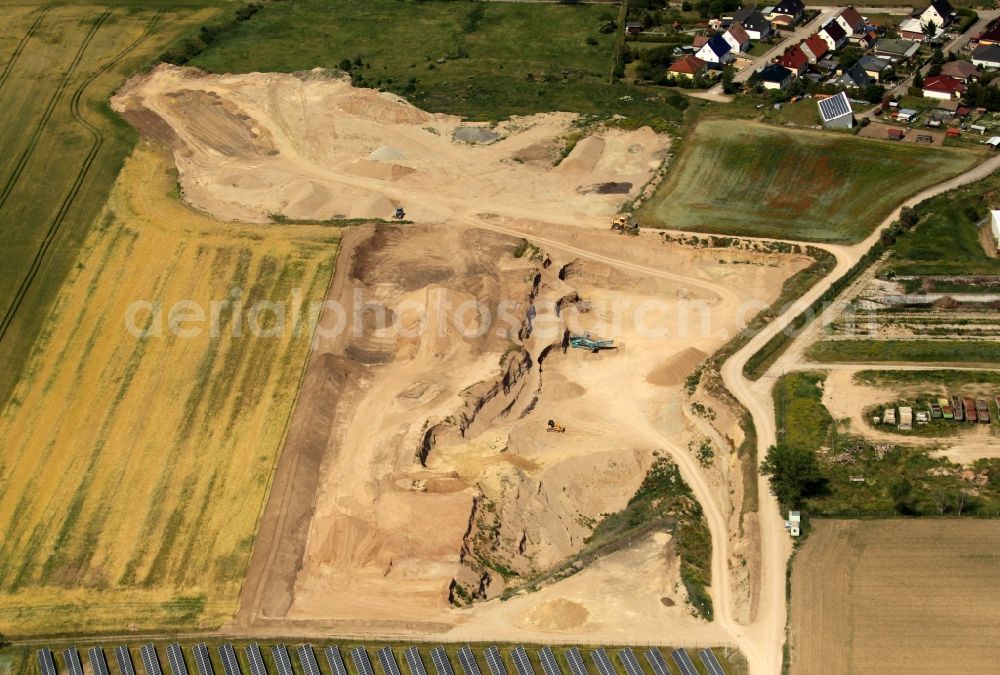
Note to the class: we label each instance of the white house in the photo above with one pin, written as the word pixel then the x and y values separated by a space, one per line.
pixel 716 50
pixel 995 226
pixel 737 38
pixel 939 11
pixel 833 35
pixel 986 56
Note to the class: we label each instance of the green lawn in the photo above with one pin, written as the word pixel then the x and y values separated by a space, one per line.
pixel 499 59
pixel 925 351
pixel 741 178
pixel 803 421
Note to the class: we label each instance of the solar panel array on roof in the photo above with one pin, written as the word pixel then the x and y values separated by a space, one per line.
pixel 333 658
pixel 711 663
pixel 657 662
pixel 98 664
pixel 229 662
pixel 521 661
pixel 308 660
pixel 202 659
pixel 414 662
pixel 548 661
pixel 442 664
pixel 388 661
pixel 72 659
pixel 282 661
pixel 494 661
pixel 150 662
pixel 255 659
pixel 575 661
pixel 684 662
pixel 603 663
pixel 175 657
pixel 468 661
pixel 124 660
pixel 46 664
pixel 361 662
pixel 631 663
pixel 834 107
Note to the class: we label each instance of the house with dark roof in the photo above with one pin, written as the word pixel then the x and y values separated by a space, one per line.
pixel 778 77
pixel 851 20
pixel 963 71
pixel 815 48
pixel 874 66
pixel 939 11
pixel 737 38
pixel 897 51
pixel 716 50
pixel 794 59
pixel 867 40
pixel 986 56
pixel 834 36
pixel 836 112
pixel 791 9
pixel 688 67
pixel 944 87
pixel 991 36
pixel 753 22
pixel 633 27
pixel 855 76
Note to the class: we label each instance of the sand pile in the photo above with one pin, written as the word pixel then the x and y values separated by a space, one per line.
pixel 556 615
pixel 674 370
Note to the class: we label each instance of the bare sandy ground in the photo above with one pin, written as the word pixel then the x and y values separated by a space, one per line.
pixel 309 146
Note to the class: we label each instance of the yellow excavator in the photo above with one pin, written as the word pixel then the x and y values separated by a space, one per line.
pixel 555 427
pixel 625 224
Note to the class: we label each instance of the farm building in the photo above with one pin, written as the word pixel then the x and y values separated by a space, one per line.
pixel 939 12
pixel 986 56
pixel 737 38
pixel 896 50
pixel 688 67
pixel 836 112
pixel 943 87
pixel 633 27
pixel 995 224
pixel 834 36
pixel 716 50
pixel 794 59
pixel 814 47
pixel 774 76
pixel 962 71
pixel 894 134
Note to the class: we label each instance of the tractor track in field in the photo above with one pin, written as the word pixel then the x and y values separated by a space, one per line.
pixel 97 143
pixel 32 29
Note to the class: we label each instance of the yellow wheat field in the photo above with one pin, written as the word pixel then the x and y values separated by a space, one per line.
pixel 133 470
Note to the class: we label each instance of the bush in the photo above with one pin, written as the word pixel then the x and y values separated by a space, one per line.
pixel 795 475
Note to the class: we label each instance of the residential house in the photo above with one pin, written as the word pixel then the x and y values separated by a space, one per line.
pixel 794 59
pixel 633 27
pixel 874 66
pixel 834 36
pixel 737 38
pixel 851 21
pixel 688 67
pixel 943 87
pixel 986 56
pixel 939 11
pixel 836 112
pixel 963 71
pixel 790 10
pixel 756 26
pixel 916 29
pixel 867 40
pixel 995 225
pixel 716 51
pixel 855 76
pixel 699 41
pixel 897 51
pixel 991 36
pixel 815 48
pixel 777 77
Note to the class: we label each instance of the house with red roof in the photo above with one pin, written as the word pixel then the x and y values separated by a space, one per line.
pixel 688 67
pixel 814 47
pixel 794 59
pixel 851 20
pixel 943 87
pixel 737 38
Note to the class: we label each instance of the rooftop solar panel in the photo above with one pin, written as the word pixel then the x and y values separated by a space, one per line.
pixel 710 662
pixel 548 661
pixel 255 659
pixel 229 662
pixel 46 664
pixel 657 662
pixel 603 663
pixel 334 659
pixel 468 661
pixel 575 661
pixel 98 664
pixel 307 657
pixel 175 657
pixel 521 661
pixel 835 106
pixel 202 659
pixel 72 659
pixel 683 662
pixel 627 657
pixel 124 660
pixel 150 661
pixel 494 662
pixel 282 661
pixel 414 662
pixel 388 661
pixel 361 662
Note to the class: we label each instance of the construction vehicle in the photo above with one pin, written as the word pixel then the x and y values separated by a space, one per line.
pixel 399 214
pixel 555 427
pixel 625 224
pixel 588 341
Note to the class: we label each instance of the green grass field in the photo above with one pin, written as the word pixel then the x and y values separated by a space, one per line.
pixel 60 146
pixel 925 351
pixel 741 178
pixel 499 59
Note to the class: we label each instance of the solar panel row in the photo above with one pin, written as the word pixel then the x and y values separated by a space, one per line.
pixel 229 662
pixel 202 659
pixel 494 662
pixel 442 664
pixel 98 664
pixel 548 661
pixel 627 657
pixel 414 662
pixel 175 657
pixel 72 659
pixel 282 661
pixel 683 662
pixel 308 660
pixel 657 662
pixel 255 659
pixel 603 663
pixel 336 662
pixel 46 664
pixel 150 662
pixel 710 662
pixel 575 660
pixel 521 661
pixel 124 660
pixel 388 661
pixel 361 662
